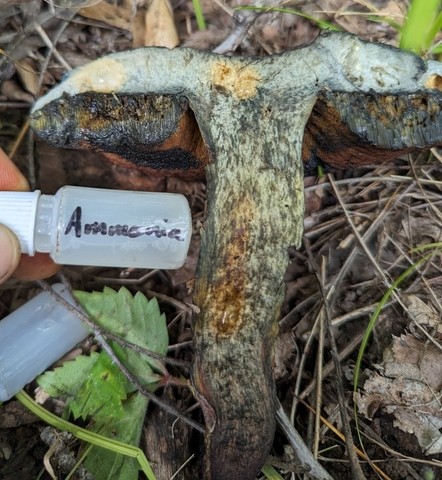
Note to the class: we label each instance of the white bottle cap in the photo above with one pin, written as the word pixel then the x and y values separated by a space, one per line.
pixel 17 212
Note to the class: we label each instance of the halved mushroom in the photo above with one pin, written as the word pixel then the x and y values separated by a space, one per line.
pixel 155 133
pixel 361 103
pixel 349 129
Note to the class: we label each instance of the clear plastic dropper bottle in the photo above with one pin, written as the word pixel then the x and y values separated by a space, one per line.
pixel 35 336
pixel 98 227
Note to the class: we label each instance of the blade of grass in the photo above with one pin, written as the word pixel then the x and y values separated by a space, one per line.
pixel 384 19
pixel 199 16
pixel 373 319
pixel 421 25
pixel 322 24
pixel 270 473
pixel 436 50
pixel 435 247
pixel 85 435
pixel 437 26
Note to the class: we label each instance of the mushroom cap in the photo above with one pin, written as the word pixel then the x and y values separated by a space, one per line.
pixel 349 129
pixel 150 108
pixel 158 134
pixel 154 133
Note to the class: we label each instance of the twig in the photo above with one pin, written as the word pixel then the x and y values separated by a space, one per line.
pixel 314 468
pixel 182 466
pixel 364 247
pixel 51 51
pixel 302 363
pixel 243 20
pixel 342 437
pixel 319 368
pixel 356 470
pixel 17 142
pixel 147 352
pixel 366 236
pixel 384 179
pixel 14 105
pixel 357 313
pixel 419 184
pixel 51 46
pixel 329 367
pixel 125 343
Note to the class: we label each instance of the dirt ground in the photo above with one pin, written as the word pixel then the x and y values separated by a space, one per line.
pixel 360 227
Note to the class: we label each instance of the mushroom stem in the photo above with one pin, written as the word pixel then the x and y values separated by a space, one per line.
pixel 255 210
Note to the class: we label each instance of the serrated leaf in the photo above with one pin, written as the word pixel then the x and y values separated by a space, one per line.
pixel 101 394
pixel 135 319
pixel 107 465
pixel 92 386
pixel 65 381
pixel 139 321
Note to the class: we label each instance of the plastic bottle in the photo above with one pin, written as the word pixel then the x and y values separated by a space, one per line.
pixel 98 227
pixel 35 336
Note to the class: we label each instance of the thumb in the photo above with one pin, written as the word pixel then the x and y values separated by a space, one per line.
pixel 9 253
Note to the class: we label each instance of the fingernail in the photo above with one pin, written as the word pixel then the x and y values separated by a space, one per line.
pixel 9 253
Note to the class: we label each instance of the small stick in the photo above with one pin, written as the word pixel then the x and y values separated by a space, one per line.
pixel 314 468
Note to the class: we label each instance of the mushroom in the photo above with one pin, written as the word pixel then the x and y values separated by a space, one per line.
pixel 242 121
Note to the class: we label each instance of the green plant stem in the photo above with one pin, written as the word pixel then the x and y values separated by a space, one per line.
pixel 324 25
pixel 199 15
pixel 87 436
pixel 270 473
pixel 376 313
pixel 421 25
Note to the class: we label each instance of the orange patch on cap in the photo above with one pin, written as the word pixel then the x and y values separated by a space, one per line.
pixel 241 82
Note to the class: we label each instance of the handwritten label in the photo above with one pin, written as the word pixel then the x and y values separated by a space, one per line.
pixel 75 225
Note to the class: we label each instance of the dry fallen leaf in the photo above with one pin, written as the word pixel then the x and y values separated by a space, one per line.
pixel 425 426
pixel 119 16
pixel 424 315
pixel 12 91
pixel 160 30
pixel 423 229
pixel 408 385
pixel 29 77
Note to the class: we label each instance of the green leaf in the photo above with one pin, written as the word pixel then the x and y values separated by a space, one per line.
pixel 91 438
pixel 270 473
pixel 106 464
pixel 101 394
pixel 135 319
pixel 92 386
pixel 422 24
pixel 199 16
pixel 65 381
